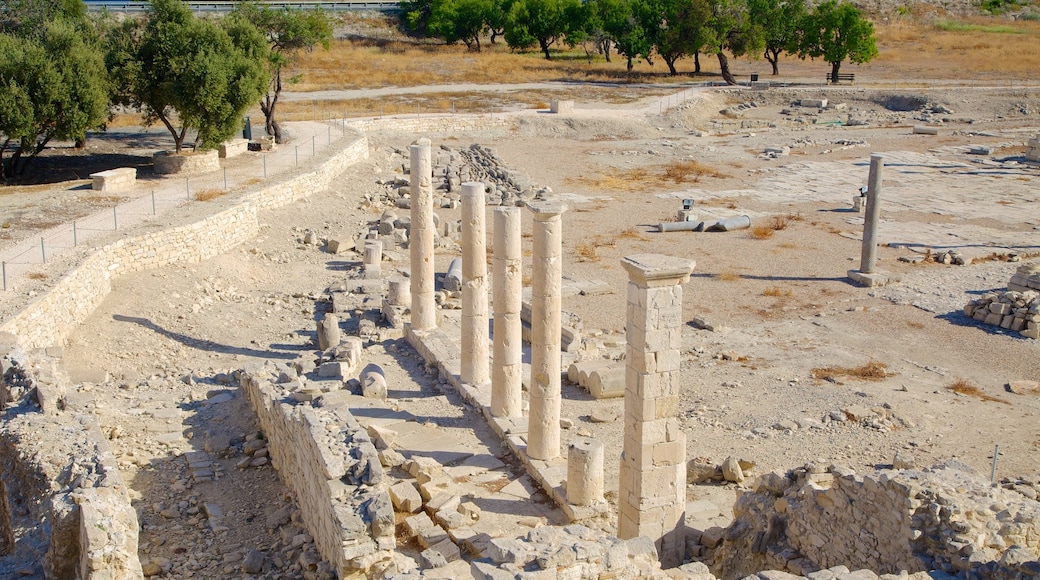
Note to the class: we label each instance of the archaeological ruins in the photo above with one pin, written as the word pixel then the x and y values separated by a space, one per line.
pixel 375 488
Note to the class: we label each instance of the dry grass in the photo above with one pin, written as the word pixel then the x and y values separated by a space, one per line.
pixel 983 47
pixel 872 371
pixel 779 222
pixel 632 234
pixel 104 199
pixel 963 387
pixel 728 276
pixel 761 232
pixel 36 276
pixel 586 252
pixel 776 292
pixel 689 171
pixel 208 194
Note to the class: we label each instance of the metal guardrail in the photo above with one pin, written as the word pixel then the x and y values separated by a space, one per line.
pixel 140 6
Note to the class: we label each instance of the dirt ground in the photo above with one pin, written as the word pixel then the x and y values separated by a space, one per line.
pixel 781 306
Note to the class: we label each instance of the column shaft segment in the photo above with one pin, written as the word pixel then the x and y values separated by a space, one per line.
pixel 420 243
pixel 543 428
pixel 652 486
pixel 475 369
pixel 507 286
pixel 868 257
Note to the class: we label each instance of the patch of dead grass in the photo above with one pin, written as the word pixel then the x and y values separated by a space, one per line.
pixel 963 387
pixel 776 292
pixel 871 371
pixel 632 234
pixel 36 276
pixel 761 232
pixel 728 276
pixel 208 194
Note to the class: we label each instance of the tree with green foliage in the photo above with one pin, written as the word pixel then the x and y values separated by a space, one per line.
pixel 288 33
pixel 780 22
pixel 730 28
pixel 542 22
pixel 53 82
pixel 835 32
pixel 682 29
pixel 189 73
pixel 461 20
pixel 622 26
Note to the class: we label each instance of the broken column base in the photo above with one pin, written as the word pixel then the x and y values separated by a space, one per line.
pixel 873 279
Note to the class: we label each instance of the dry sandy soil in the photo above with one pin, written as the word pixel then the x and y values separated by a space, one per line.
pixel 782 306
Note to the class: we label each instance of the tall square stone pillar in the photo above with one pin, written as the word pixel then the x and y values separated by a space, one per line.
pixel 420 240
pixel 543 426
pixel 652 486
pixel 475 360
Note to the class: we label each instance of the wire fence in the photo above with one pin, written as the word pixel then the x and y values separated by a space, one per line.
pixel 151 200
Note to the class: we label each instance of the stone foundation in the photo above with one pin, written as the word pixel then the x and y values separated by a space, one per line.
pixel 232 147
pixel 816 517
pixel 1033 149
pixel 72 499
pixel 168 162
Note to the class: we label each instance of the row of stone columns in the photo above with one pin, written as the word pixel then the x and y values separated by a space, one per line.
pixel 652 484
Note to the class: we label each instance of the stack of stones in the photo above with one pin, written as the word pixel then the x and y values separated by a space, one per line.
pixel 1017 309
pixel 452 168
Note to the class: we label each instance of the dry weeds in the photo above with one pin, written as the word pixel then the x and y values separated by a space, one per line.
pixel 761 232
pixel 963 387
pixel 208 194
pixel 981 46
pixel 776 291
pixel 728 276
pixel 36 276
pixel 871 371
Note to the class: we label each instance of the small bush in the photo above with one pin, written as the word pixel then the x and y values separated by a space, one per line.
pixel 208 194
pixel 762 232
pixel 872 371
pixel 963 387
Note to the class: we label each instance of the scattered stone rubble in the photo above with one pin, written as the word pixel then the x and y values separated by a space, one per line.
pixel 452 168
pixel 1017 309
pixel 944 519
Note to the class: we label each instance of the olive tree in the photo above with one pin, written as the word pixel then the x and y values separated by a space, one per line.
pixel 288 32
pixel 836 32
pixel 188 73
pixel 53 84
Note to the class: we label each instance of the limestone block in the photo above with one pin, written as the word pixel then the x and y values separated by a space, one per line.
pixel 443 501
pixel 120 179
pixel 420 464
pixel 561 107
pixel 813 103
pixel 447 549
pixel 383 436
pixel 417 524
pixel 339 245
pixel 585 472
pixel 470 511
pixel 232 147
pixel 405 497
pixel 453 278
pixel 925 130
pixel 731 470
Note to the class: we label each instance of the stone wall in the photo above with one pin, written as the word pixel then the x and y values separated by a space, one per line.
pixel 430 123
pixel 63 492
pixel 812 518
pixel 52 317
pixel 332 467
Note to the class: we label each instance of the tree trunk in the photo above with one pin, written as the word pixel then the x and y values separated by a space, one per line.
pixel 494 35
pixel 671 65
pixel 724 65
pixel 630 65
pixel 835 66
pixel 773 56
pixel 604 47
pixel 696 63
pixel 545 48
pixel 268 106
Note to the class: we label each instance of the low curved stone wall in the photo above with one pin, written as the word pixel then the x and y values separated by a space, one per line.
pixel 168 162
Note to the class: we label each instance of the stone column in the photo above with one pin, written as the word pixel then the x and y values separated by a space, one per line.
pixel 652 486
pixel 543 428
pixel 373 259
pixel 420 245
pixel 868 257
pixel 507 285
pixel 585 472
pixel 474 287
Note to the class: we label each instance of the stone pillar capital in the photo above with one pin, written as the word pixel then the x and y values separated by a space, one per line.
pixel 654 270
pixel 546 209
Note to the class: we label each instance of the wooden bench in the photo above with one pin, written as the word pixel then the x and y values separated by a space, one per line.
pixel 850 77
